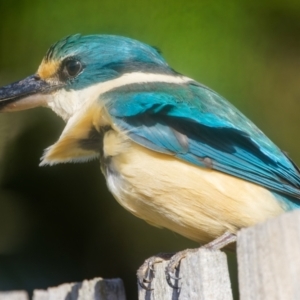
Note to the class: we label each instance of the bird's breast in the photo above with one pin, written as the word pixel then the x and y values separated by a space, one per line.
pixel 195 202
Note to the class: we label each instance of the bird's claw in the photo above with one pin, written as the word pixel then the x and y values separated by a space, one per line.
pixel 143 285
pixel 170 276
pixel 146 272
pixel 173 267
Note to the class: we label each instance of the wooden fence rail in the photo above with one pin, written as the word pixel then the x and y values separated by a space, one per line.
pixel 268 269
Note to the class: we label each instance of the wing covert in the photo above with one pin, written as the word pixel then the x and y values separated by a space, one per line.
pixel 197 125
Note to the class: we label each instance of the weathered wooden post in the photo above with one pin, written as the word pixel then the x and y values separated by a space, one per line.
pixel 204 276
pixel 269 259
pixel 95 289
pixel 15 295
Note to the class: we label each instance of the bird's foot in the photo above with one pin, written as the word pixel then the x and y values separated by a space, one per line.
pixel 220 242
pixel 217 244
pixel 146 271
pixel 174 264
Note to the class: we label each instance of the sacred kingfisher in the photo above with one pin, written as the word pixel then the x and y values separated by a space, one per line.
pixel 173 152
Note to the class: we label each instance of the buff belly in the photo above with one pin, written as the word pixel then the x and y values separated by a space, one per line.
pixel 198 203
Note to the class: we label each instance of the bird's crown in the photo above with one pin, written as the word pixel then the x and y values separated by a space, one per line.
pixel 79 61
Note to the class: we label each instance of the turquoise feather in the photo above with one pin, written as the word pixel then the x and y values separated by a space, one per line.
pixel 152 113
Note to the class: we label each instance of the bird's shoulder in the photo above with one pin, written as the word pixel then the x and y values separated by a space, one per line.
pixel 196 124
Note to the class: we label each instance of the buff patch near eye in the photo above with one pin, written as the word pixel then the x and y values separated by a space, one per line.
pixel 47 69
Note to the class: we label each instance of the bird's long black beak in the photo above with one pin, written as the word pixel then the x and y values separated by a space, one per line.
pixel 26 93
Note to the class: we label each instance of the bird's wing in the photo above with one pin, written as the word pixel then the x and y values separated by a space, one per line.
pixel 197 125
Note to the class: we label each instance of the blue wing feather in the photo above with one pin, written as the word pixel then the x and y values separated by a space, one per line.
pixel 152 114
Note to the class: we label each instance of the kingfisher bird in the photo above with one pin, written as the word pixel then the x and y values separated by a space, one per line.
pixel 173 152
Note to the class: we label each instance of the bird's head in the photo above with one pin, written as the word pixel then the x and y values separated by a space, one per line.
pixel 74 64
pixel 72 75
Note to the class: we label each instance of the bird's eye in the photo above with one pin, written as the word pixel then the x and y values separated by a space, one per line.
pixel 72 67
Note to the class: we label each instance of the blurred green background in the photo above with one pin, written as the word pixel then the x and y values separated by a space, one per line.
pixel 59 224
